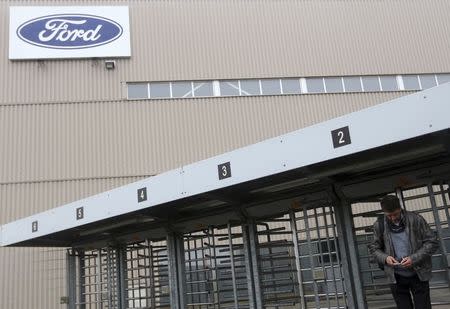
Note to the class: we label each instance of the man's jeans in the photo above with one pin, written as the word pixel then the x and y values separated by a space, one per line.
pixel 406 286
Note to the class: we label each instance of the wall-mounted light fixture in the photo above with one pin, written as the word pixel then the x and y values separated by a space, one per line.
pixel 110 64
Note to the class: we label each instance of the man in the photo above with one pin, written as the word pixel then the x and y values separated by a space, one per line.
pixel 404 245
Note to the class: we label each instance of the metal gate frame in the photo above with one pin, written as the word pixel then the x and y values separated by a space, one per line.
pixel 436 195
pixel 208 268
pixel 246 253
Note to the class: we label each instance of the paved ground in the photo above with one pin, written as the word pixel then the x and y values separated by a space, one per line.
pixel 385 300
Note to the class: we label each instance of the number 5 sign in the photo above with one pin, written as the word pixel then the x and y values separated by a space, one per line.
pixel 341 137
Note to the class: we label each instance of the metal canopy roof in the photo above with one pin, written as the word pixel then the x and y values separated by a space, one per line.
pixel 401 143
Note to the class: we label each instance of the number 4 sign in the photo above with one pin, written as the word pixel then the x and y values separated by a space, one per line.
pixel 341 137
pixel 142 194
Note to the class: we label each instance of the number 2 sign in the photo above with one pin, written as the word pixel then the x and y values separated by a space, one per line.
pixel 341 137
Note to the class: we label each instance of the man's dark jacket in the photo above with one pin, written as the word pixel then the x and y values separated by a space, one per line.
pixel 423 244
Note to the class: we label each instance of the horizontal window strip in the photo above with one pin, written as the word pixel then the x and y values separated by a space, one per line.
pixel 283 86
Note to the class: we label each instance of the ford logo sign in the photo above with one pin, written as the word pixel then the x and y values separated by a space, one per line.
pixel 69 31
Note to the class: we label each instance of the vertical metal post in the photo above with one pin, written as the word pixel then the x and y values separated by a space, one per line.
pixel 177 278
pixel 71 279
pixel 181 267
pixel 338 253
pixel 248 267
pixel 81 280
pixel 271 258
pixel 349 253
pixel 201 271
pixel 399 194
pixel 99 280
pixel 330 255
pixel 151 275
pixel 319 244
pixel 297 258
pixel 311 258
pixel 121 268
pixel 446 204
pixel 192 254
pixel 109 277
pixel 206 271
pixel 173 278
pixel 253 243
pixel 214 270
pixel 437 220
pixel 233 274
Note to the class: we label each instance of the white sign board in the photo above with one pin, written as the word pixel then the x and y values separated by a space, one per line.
pixel 49 32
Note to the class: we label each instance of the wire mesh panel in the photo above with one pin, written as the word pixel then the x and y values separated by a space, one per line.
pixel 97 279
pixel 320 261
pixel 215 269
pixel 432 202
pixel 146 275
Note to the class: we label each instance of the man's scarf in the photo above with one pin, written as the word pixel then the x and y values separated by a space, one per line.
pixel 400 227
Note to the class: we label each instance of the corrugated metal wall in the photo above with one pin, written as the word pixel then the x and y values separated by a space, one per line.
pixel 201 39
pixel 36 278
pixel 32 278
pixel 51 154
pixel 64 141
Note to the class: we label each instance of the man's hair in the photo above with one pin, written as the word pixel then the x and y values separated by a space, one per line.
pixel 390 203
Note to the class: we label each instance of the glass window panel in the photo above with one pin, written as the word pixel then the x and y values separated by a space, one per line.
pixel 138 91
pixel 315 85
pixel 352 84
pixel 443 78
pixel 334 84
pixel 159 90
pixel 270 86
pixel 250 87
pixel 229 88
pixel 371 83
pixel 411 82
pixel 291 85
pixel 204 89
pixel 389 83
pixel 182 90
pixel 427 81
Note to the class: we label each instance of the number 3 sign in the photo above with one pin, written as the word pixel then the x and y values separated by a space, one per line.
pixel 224 170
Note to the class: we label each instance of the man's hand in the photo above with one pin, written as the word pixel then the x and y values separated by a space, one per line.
pixel 406 262
pixel 391 261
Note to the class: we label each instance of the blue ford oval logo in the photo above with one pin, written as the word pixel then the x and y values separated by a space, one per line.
pixel 69 31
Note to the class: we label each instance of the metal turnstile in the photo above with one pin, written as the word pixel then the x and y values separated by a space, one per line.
pixel 299 262
pixel 216 269
pixel 290 261
pixel 146 275
pixel 135 276
pixel 432 202
pixel 97 279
